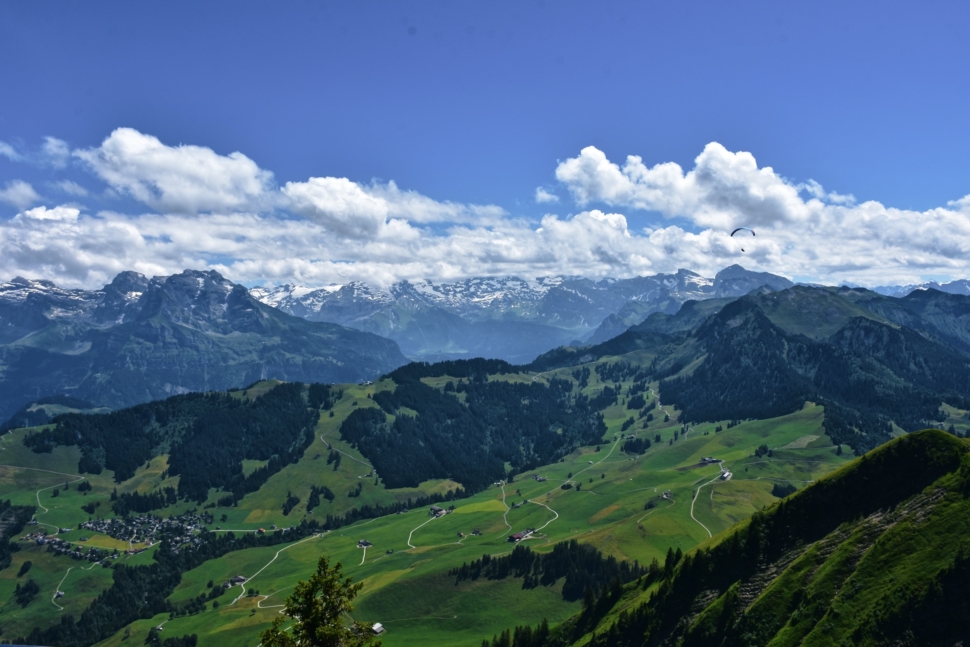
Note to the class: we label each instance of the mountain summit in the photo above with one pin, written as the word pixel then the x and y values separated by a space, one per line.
pixel 507 318
pixel 140 339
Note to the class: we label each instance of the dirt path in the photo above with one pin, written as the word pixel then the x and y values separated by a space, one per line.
pixel 694 500
pixel 505 516
pixel 550 510
pixel 265 566
pixel 54 596
pixel 357 460
pixel 37 494
pixel 412 532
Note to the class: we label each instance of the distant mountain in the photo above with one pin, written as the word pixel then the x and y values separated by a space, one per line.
pixel 140 339
pixel 507 318
pixel 960 286
pixel 877 363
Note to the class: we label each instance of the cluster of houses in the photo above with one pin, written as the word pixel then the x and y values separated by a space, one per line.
pixel 150 529
pixel 99 555
pixel 538 478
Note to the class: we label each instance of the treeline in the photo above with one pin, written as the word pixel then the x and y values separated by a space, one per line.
pixel 621 371
pixel 13 518
pixel 499 422
pixel 126 503
pixel 584 568
pixel 31 416
pixel 465 369
pixel 636 446
pixel 207 436
pixel 314 499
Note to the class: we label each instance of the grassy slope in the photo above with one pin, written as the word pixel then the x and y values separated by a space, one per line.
pixel 831 591
pixel 408 590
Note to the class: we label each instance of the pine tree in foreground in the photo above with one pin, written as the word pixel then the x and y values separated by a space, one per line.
pixel 318 607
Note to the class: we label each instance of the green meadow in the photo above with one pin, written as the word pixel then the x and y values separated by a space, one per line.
pixel 632 507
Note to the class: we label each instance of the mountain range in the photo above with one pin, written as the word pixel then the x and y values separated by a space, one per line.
pixel 507 317
pixel 960 286
pixel 879 364
pixel 140 339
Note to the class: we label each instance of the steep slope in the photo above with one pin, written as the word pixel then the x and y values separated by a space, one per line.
pixel 872 555
pixel 939 314
pixel 868 374
pixel 193 331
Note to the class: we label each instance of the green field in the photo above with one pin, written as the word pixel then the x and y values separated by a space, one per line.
pixel 616 505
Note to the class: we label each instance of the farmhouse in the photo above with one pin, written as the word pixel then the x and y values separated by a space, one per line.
pixel 377 628
pixel 519 536
pixel 435 511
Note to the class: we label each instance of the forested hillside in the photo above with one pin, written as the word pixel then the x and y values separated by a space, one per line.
pixel 469 429
pixel 876 554
pixel 207 436
pixel 869 375
pixel 880 365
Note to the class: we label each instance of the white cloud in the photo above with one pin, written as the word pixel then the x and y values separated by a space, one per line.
pixel 354 210
pixel 724 189
pixel 184 178
pixel 8 151
pixel 62 213
pixel 222 212
pixel 70 188
pixel 545 197
pixel 55 152
pixel 19 193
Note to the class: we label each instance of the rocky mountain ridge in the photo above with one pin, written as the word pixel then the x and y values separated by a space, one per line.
pixel 507 317
pixel 139 339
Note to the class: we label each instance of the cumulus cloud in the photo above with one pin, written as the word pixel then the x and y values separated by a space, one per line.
pixel 722 190
pixel 824 236
pixel 187 179
pixel 59 214
pixel 545 197
pixel 207 210
pixel 18 193
pixel 361 211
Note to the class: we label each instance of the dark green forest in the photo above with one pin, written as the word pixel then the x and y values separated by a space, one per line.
pixel 584 568
pixel 523 424
pixel 207 436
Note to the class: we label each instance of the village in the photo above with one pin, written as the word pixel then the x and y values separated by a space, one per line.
pixel 146 530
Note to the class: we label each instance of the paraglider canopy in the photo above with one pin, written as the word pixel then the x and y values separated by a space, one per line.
pixel 742 229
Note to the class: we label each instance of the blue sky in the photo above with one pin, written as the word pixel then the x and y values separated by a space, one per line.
pixel 480 103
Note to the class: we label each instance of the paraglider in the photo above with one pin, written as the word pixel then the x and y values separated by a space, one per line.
pixel 742 229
